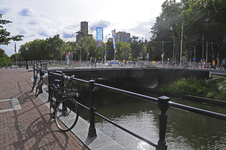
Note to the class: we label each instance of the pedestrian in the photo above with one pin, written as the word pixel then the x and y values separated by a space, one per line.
pixel 91 61
pixel 95 62
pixel 134 62
pixel 99 60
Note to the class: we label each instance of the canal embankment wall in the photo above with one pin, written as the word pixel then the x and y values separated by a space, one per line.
pixel 189 97
pixel 159 74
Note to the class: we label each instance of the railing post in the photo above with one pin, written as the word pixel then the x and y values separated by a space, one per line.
pixel 163 104
pixel 92 129
pixel 34 71
pixel 49 82
pixel 62 84
pixel 45 65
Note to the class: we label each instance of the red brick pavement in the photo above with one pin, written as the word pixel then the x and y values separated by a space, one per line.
pixel 31 126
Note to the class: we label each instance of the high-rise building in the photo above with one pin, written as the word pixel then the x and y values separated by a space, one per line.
pixel 84 27
pixel 83 31
pixel 122 37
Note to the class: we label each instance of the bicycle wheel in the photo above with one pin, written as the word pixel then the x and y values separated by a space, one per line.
pixel 37 91
pixel 34 83
pixel 66 114
pixel 52 102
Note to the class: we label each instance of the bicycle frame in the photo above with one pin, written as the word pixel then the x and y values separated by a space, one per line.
pixel 34 79
pixel 60 92
pixel 40 83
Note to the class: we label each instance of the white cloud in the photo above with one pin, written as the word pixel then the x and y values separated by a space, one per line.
pixel 23 31
pixel 100 23
pixel 46 31
pixel 4 10
pixel 68 33
pixel 43 18
pixel 32 22
pixel 27 12
pixel 142 29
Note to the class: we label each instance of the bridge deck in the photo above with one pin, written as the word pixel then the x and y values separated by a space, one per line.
pixel 162 74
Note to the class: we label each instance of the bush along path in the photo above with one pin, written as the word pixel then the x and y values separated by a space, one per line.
pixel 213 88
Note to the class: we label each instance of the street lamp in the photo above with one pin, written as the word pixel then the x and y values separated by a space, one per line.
pixel 105 47
pixel 19 59
pixel 26 48
pixel 80 55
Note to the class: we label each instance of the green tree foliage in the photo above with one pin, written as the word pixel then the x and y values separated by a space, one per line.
pixel 37 50
pixel 13 57
pixel 199 17
pixel 5 61
pixel 5 37
pixel 110 50
pixel 126 51
pixel 55 47
pixel 213 88
pixel 72 47
pixel 86 46
pixel 137 47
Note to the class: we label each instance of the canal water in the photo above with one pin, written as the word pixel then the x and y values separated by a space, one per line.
pixel 185 130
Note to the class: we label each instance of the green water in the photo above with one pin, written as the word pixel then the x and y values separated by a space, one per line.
pixel 185 130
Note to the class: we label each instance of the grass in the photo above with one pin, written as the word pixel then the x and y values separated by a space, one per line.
pixel 213 88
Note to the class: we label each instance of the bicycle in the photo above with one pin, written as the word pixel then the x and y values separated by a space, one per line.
pixel 63 106
pixel 35 79
pixel 40 83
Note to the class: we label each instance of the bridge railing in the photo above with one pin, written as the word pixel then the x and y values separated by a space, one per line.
pixel 127 64
pixel 163 104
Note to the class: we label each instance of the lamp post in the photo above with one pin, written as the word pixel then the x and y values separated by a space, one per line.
pixel 19 59
pixel 26 48
pixel 106 47
pixel 80 55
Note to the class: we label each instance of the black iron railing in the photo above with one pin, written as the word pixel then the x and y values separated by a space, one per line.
pixel 163 104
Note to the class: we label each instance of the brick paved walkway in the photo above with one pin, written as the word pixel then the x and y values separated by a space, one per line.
pixel 31 126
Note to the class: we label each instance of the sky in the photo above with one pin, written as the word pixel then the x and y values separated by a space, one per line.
pixel 41 19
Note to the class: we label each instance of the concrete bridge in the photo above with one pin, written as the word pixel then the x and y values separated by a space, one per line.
pixel 158 75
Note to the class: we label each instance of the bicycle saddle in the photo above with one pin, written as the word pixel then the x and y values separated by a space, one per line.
pixel 56 81
pixel 58 71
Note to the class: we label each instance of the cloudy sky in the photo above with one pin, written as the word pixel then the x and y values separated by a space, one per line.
pixel 40 19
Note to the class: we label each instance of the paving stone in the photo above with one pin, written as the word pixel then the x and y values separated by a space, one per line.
pixel 29 127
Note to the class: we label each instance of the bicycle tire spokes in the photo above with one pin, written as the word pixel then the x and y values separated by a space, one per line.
pixel 38 89
pixel 53 101
pixel 66 114
pixel 34 83
pixel 51 107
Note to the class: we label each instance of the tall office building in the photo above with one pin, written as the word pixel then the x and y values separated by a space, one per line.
pixel 84 27
pixel 122 37
pixel 83 31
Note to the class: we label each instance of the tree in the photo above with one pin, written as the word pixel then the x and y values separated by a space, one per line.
pixel 72 47
pixel 5 61
pixel 87 47
pixel 55 48
pixel 110 50
pixel 136 46
pixel 126 51
pixel 5 37
pixel 123 50
pixel 199 17
pixel 166 29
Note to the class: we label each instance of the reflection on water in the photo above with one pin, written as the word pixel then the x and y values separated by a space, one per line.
pixel 185 130
pixel 142 145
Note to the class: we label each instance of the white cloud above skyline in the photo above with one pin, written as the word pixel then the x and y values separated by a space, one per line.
pixel 46 18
